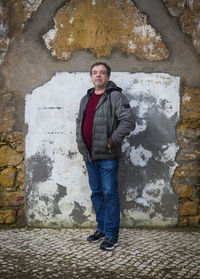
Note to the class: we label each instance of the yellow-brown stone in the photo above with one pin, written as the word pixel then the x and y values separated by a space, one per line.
pixel 3 44
pixel 194 220
pixel 182 172
pixel 20 178
pixel 182 222
pixel 14 199
pixel 15 139
pixel 190 109
pixel 188 12
pixel 7 216
pixel 101 26
pixel 184 191
pixel 7 177
pixel 9 157
pixel 188 208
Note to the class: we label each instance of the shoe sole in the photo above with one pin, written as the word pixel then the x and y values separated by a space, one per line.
pixel 110 248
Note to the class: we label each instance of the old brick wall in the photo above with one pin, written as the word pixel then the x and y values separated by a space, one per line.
pixel 27 63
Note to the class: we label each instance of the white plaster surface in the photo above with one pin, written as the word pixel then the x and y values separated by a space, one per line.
pixel 51 112
pixel 140 156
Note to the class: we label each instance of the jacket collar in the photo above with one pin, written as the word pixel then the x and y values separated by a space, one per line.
pixel 111 86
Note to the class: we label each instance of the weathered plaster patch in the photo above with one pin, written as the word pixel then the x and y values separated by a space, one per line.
pixel 146 167
pixel 125 28
pixel 50 112
pixel 140 156
pixel 149 152
pixel 167 153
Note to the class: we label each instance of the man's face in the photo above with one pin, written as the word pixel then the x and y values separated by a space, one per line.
pixel 99 77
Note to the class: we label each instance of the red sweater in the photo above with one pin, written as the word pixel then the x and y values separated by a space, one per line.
pixel 88 120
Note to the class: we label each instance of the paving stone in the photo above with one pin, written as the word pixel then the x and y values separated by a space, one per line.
pixel 65 254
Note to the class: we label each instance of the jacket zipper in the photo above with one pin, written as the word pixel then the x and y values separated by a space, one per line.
pixel 88 152
pixel 98 105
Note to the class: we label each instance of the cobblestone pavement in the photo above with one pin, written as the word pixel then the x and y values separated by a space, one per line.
pixel 65 254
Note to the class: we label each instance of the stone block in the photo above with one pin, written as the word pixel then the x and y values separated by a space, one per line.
pixel 9 157
pixel 15 140
pixel 190 156
pixel 183 222
pixel 190 110
pixel 20 178
pixel 7 216
pixel 194 220
pixel 14 199
pixel 182 172
pixel 7 177
pixel 188 208
pixel 14 137
pixel 184 191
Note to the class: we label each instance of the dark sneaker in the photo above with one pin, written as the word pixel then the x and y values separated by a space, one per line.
pixel 109 243
pixel 95 237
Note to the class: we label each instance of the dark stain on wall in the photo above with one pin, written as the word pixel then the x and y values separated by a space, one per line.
pixel 160 132
pixel 62 191
pixel 78 213
pixel 38 168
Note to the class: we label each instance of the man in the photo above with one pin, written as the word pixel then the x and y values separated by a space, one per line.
pixel 104 119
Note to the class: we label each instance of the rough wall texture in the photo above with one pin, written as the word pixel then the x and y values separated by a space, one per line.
pixel 28 64
pixel 57 186
pixel 13 16
pixel 4 39
pixel 108 25
pixel 187 175
pixel 188 13
pixel 11 164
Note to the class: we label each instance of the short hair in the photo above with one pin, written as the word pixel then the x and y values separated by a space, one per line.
pixel 108 69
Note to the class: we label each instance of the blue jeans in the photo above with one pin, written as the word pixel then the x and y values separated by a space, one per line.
pixel 105 197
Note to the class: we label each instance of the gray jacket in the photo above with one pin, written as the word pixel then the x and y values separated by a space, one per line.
pixel 113 120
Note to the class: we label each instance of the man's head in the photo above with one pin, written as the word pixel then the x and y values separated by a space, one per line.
pixel 100 74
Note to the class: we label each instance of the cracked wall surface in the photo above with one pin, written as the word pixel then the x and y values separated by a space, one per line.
pixel 57 185
pixel 188 13
pixel 100 26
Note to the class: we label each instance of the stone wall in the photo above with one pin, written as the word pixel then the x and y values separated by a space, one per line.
pixel 187 176
pixel 188 14
pixel 28 28
pixel 13 16
pixel 12 202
